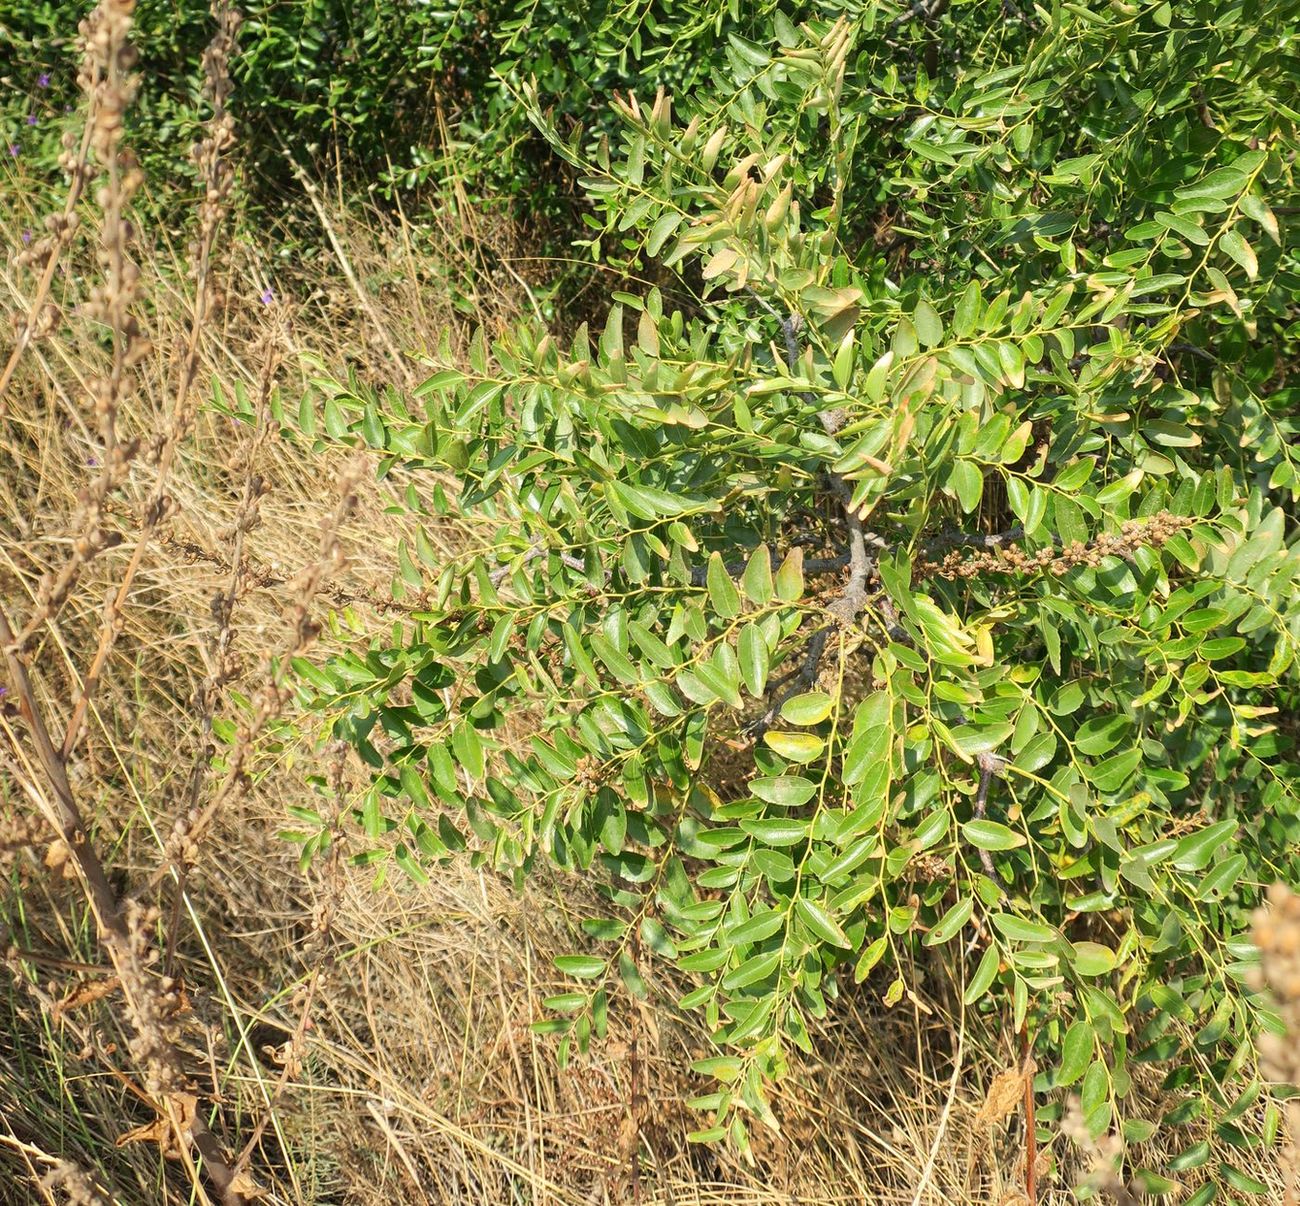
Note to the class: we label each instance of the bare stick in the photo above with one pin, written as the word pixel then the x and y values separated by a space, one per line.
pixel 64 816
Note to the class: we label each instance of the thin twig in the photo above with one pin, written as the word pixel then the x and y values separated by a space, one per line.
pixel 813 566
pixel 536 553
pixel 801 680
pixel 928 1171
pixel 989 765
pixel 1031 1122
pixel 972 540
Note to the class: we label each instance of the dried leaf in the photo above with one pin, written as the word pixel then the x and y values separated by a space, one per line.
pixel 1003 1098
pixel 84 994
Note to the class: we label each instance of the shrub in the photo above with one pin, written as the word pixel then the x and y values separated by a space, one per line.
pixel 930 588
pixel 387 94
pixel 321 82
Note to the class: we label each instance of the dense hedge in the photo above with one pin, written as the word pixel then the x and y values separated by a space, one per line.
pixel 392 95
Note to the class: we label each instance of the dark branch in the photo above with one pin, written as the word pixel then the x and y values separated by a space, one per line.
pixel 800 680
pixel 497 576
pixel 989 765
pixel 972 540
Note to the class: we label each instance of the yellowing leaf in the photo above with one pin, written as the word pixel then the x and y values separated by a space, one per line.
pixel 720 262
pixel 797 747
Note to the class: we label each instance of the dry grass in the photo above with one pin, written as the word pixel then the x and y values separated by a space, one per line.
pixel 391 1061
pixel 420 1079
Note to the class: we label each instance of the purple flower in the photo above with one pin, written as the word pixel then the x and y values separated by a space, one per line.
pixel 92 462
pixel 31 119
pixel 43 80
pixel 27 237
pixel 267 297
pixel 14 149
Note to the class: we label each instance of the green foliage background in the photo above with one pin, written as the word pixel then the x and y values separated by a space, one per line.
pixel 388 96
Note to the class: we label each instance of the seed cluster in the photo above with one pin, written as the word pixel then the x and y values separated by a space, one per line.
pixel 589 773
pixel 107 77
pixel 78 1185
pixel 1277 935
pixel 153 1003
pixel 1151 532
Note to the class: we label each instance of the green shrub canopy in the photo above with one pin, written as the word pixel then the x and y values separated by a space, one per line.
pixel 915 567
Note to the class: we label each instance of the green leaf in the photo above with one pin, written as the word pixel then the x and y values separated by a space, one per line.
pixel 662 230
pixel 971 740
pixel 968 484
pixel 1258 211
pixel 842 365
pixel 1094 1097
pixel 969 308
pixel 991 835
pixel 726 1068
pixel 413 786
pixel 810 708
pixel 754 969
pixel 753 656
pixel 408 864
pixel 984 975
pixel 1100 734
pixel 657 939
pixel 581 967
pixel 1092 959
pixel 750 52
pixel 787 791
pixel 932 828
pixel 872 955
pixel 951 922
pixel 869 742
pixel 789 578
pixel 1242 1182
pixel 928 324
pixel 722 590
pixel 650 645
pixel 1194 852
pixel 874 385
pixel 620 665
pixel 467 746
pixel 776 831
pixel 1241 251
pixel 1221 183
pixel 1114 772
pixel 1076 1053
pixel 440 382
pixel 820 923
pixel 566 1002
pixel 1222 879
pixel 717 679
pixel 1184 228
pixel 1019 929
pixel 646 502
pixel 757 580
pixel 631 977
